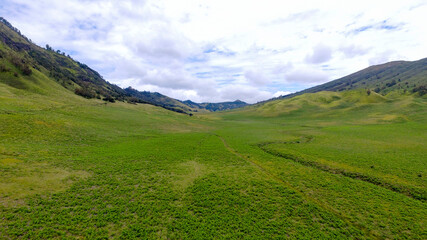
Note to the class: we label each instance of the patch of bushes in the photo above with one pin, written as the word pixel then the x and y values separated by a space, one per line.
pixel 84 92
pixel 3 68
pixel 391 84
pixel 422 90
pixel 26 70
pixel 135 100
pixel 20 64
pixel 109 99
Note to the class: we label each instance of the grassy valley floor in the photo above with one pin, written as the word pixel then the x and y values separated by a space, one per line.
pixel 317 166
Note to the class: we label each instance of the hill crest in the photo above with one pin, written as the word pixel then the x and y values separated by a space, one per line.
pixel 405 76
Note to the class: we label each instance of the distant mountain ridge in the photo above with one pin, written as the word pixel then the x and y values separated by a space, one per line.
pixel 216 106
pixel 408 76
pixel 20 57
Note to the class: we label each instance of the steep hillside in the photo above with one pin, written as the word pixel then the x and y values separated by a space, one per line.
pixel 399 75
pixel 21 58
pixel 159 100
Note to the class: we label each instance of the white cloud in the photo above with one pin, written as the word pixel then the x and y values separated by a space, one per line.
pixel 321 53
pixel 306 75
pixel 256 77
pixel 222 50
pixel 353 50
pixel 382 57
pixel 248 93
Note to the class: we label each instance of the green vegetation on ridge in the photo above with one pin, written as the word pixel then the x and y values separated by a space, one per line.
pixel 216 106
pixel 402 76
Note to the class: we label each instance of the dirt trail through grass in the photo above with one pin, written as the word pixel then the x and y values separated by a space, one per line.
pixel 412 193
pixel 271 175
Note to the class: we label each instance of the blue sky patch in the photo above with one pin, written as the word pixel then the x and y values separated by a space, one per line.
pixel 362 29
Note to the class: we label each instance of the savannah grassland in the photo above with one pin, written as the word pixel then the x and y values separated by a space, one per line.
pixel 318 166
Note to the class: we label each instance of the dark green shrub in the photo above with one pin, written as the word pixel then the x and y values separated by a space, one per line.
pixel 84 92
pixel 109 99
pixel 20 64
pixel 3 68
pixel 391 84
pixel 26 70
pixel 420 90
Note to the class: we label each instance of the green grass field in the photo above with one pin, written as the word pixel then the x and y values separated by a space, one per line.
pixel 319 166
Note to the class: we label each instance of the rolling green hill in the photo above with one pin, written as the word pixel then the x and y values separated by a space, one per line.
pixel 325 101
pixel 403 76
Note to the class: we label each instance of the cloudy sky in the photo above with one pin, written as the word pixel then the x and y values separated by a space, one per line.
pixel 221 50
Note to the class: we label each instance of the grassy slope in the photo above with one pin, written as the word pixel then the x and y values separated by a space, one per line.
pixel 403 76
pixel 69 73
pixel 140 171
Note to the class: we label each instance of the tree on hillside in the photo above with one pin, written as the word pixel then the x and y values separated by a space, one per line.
pixel 109 99
pixel 422 90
